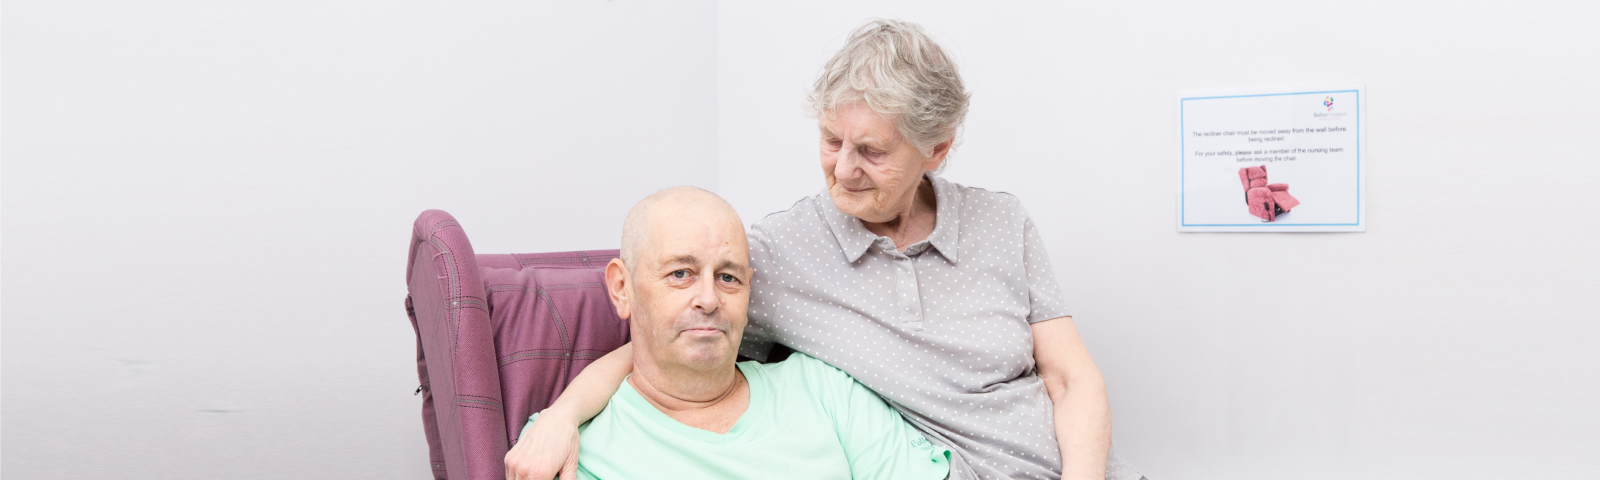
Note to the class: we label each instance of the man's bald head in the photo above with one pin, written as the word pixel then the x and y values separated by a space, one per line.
pixel 677 201
pixel 683 283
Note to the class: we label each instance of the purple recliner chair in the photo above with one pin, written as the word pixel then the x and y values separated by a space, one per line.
pixel 498 337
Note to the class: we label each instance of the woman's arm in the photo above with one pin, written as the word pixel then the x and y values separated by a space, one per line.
pixel 1082 415
pixel 550 446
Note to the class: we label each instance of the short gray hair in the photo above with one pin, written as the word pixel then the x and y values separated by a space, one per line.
pixel 899 72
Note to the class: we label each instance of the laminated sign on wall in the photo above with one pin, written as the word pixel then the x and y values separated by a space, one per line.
pixel 1286 160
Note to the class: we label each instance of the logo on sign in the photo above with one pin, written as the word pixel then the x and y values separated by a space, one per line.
pixel 1328 103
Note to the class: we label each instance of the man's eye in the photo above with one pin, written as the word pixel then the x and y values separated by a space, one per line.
pixel 729 278
pixel 680 273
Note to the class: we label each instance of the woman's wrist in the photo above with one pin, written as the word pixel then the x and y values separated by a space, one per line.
pixel 559 413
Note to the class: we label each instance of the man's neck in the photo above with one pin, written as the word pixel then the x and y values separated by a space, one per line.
pixel 711 401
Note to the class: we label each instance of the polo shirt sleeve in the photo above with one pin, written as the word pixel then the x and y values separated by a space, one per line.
pixel 758 333
pixel 877 441
pixel 1044 295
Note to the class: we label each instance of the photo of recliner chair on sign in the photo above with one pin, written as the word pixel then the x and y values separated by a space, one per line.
pixel 1265 200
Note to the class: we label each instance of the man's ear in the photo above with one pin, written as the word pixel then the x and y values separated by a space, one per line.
pixel 619 286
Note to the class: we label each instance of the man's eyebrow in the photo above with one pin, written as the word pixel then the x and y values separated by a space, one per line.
pixel 689 259
pixel 732 265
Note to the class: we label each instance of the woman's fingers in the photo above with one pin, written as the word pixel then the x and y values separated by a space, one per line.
pixel 546 449
pixel 569 471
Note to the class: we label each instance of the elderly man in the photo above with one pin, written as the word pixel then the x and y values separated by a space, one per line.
pixel 688 410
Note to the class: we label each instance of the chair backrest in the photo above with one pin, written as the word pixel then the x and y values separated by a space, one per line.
pixel 498 338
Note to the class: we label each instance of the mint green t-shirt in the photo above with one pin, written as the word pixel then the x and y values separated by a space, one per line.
pixel 806 420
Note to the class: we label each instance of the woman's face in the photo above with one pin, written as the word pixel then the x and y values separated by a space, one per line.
pixel 872 172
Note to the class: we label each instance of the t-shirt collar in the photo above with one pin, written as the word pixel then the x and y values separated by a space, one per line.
pixel 855 239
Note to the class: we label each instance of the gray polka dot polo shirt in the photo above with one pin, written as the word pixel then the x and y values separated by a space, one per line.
pixel 941 331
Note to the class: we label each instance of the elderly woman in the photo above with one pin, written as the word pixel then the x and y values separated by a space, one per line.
pixel 937 296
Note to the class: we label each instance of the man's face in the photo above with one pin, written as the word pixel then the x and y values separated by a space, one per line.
pixel 689 289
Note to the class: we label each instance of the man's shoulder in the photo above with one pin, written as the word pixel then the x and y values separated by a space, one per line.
pixel 806 370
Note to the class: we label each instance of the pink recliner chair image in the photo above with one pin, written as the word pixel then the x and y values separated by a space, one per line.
pixel 1265 200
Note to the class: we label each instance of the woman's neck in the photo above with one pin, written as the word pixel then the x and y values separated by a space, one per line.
pixel 915 223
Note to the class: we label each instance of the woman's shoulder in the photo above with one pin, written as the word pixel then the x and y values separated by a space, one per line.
pixel 977 202
pixel 801 218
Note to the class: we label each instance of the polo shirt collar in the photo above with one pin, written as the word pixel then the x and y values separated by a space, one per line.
pixel 855 239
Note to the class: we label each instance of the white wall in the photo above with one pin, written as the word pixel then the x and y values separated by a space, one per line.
pixel 1454 339
pixel 207 207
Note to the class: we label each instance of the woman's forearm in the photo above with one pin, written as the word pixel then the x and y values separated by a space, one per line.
pixel 1083 428
pixel 549 446
pixel 1078 397
pixel 593 387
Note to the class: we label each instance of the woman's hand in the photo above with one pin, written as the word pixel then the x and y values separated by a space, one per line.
pixel 548 448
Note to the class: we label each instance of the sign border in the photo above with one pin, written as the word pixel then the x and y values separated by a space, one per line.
pixel 1358 226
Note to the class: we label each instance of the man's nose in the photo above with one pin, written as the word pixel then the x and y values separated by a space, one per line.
pixel 705 295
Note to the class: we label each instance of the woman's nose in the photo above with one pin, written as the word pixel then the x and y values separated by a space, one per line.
pixel 845 164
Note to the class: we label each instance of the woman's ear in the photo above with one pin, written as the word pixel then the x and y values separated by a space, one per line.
pixel 619 287
pixel 939 152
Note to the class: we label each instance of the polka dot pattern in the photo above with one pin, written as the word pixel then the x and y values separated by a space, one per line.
pixel 940 330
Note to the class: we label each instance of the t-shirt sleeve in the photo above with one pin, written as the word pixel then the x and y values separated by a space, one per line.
pixel 758 337
pixel 1044 295
pixel 878 443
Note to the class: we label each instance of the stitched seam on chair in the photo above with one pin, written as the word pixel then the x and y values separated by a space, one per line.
pixel 459 300
pixel 480 402
pixel 575 351
pixel 588 352
pixel 569 286
pixel 546 357
pixel 561 327
pixel 466 302
pixel 558 359
pixel 453 284
pixel 533 261
pixel 496 410
pixel 556 355
pixel 534 351
pixel 540 356
pixel 508 287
